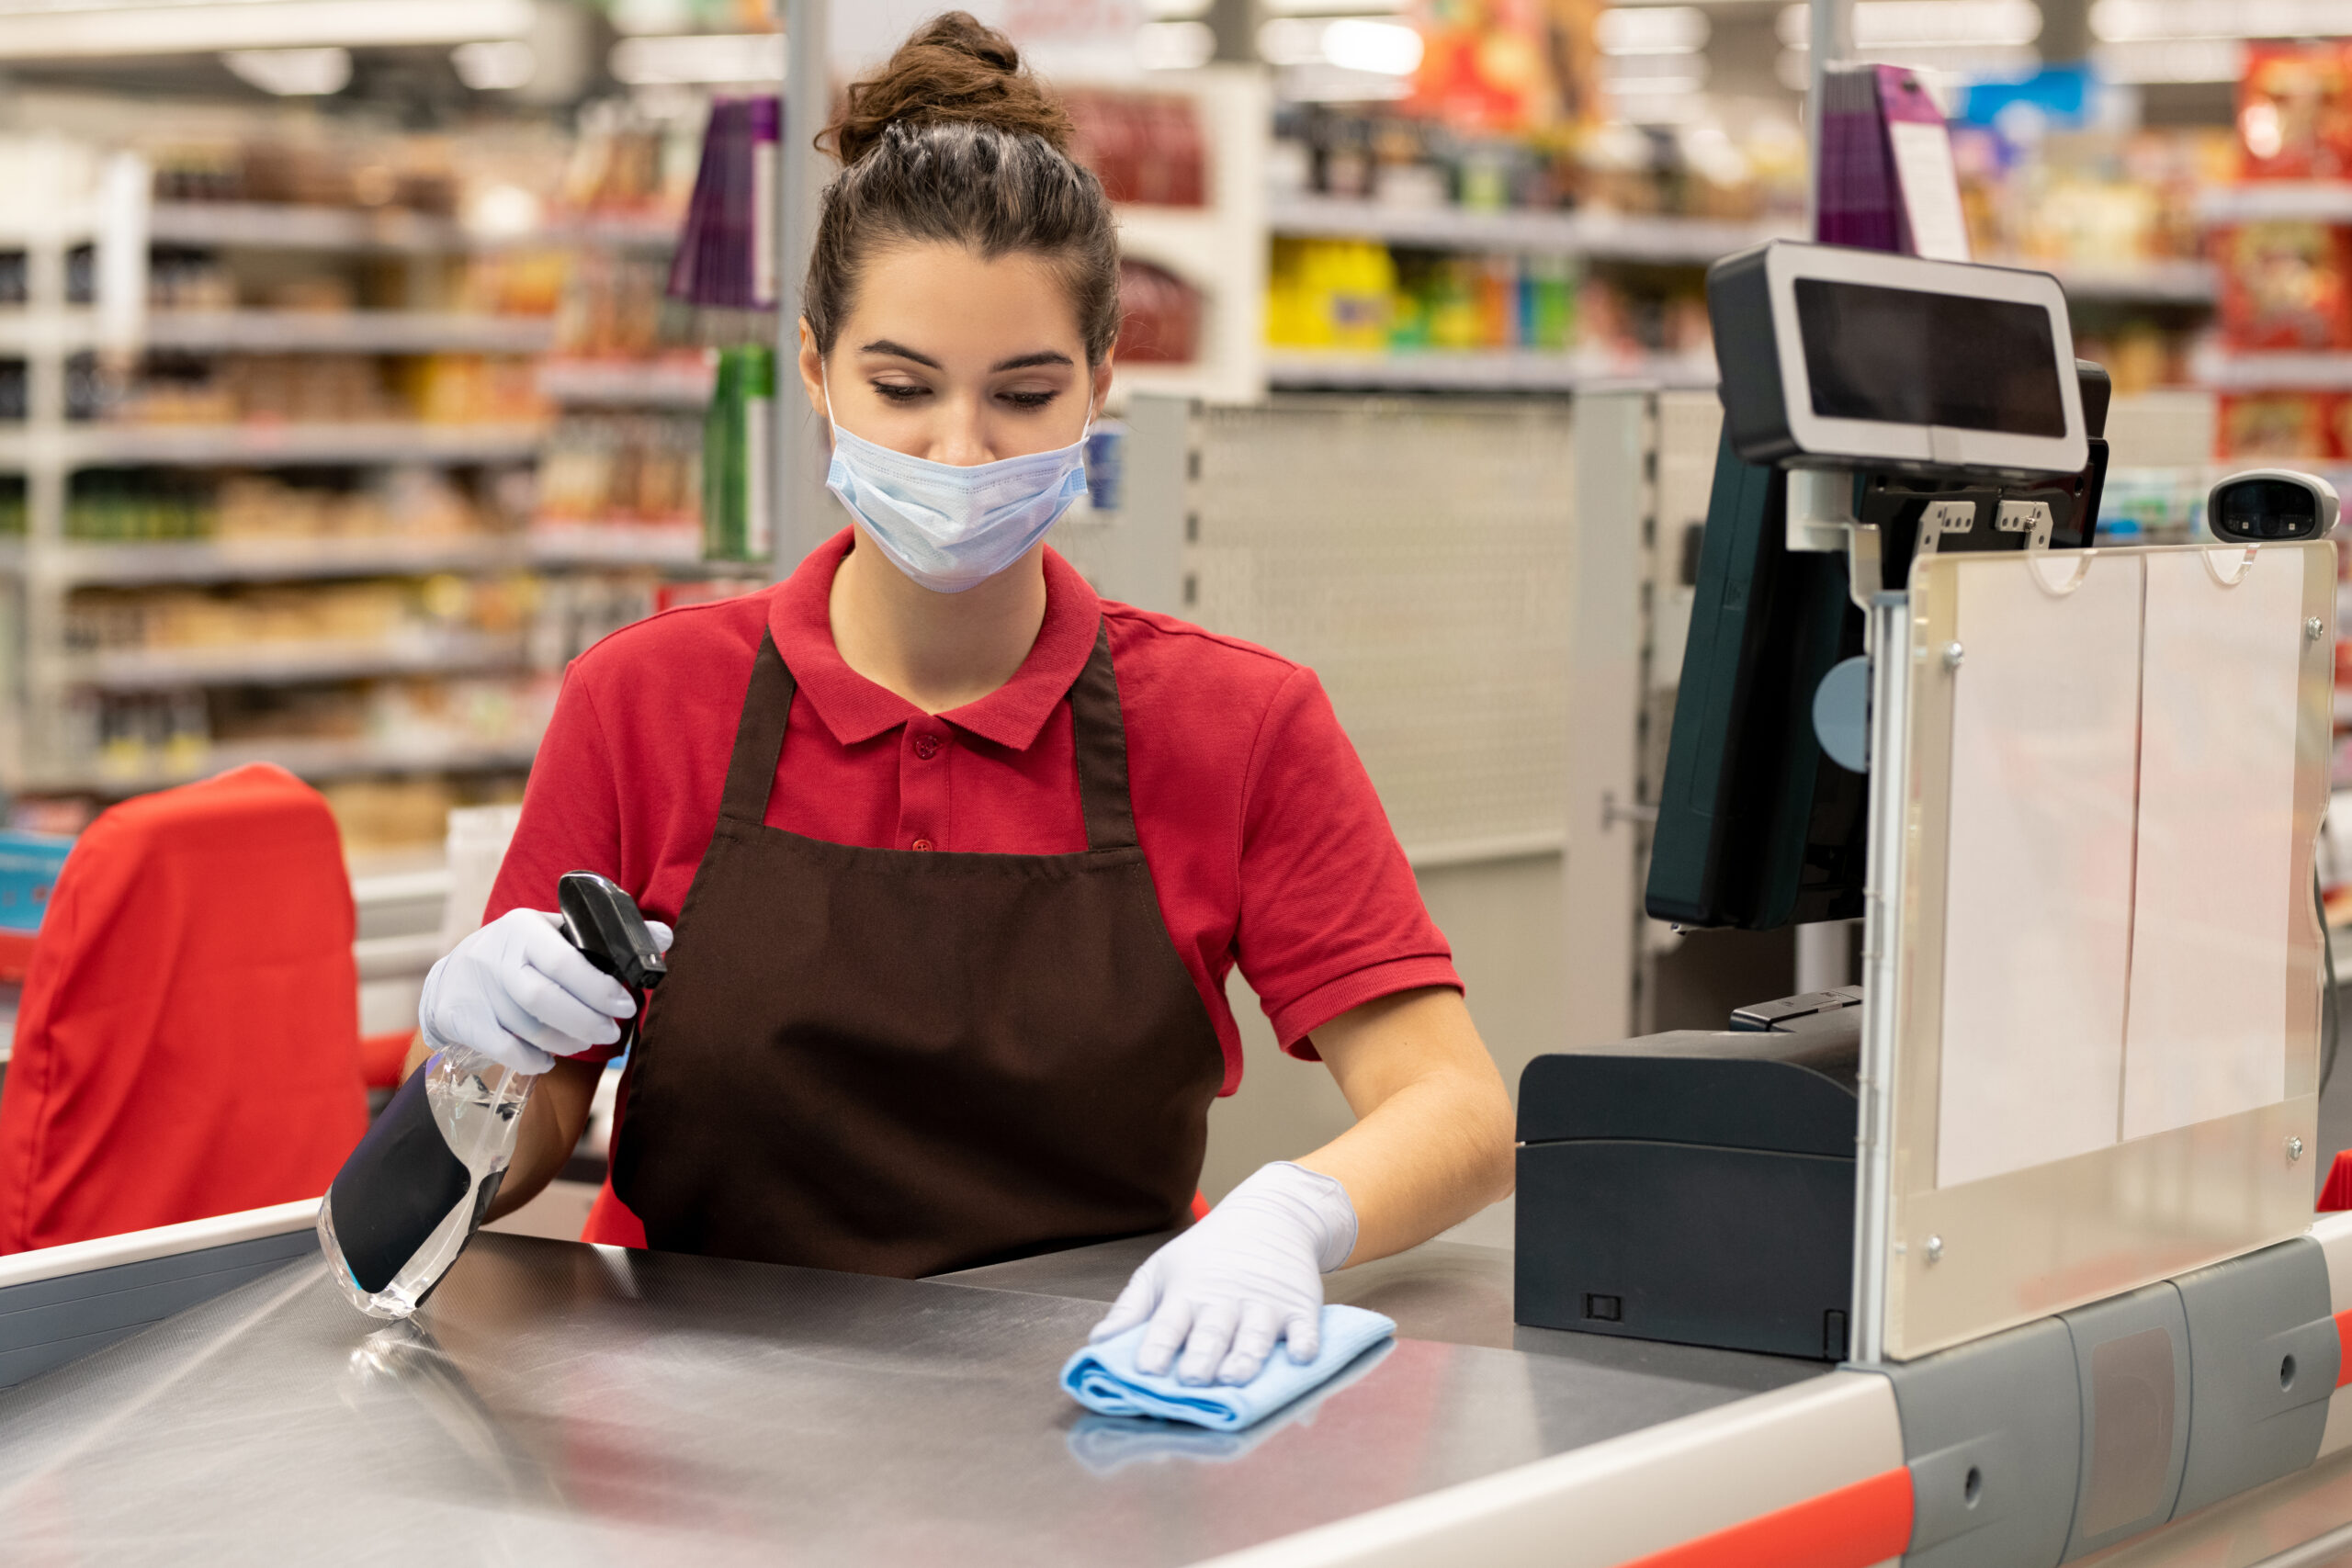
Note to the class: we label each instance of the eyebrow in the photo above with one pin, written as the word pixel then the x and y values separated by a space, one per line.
pixel 899 351
pixel 1018 362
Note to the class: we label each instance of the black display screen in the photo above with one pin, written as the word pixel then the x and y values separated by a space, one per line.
pixel 1907 356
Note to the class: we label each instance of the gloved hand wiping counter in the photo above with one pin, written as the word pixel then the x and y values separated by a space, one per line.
pixel 1193 1336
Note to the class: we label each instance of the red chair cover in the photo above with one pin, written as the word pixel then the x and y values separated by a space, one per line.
pixel 187 1043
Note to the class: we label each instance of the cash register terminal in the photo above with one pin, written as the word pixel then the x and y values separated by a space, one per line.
pixel 1699 1186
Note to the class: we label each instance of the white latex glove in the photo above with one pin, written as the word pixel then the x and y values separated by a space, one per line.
pixel 520 994
pixel 1249 1274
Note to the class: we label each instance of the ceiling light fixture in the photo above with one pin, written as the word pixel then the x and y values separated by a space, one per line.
pixel 291 72
pixel 1174 46
pixel 1384 48
pixel 495 65
pixel 1651 30
pixel 2128 21
pixel 696 58
pixel 1899 24
pixel 119 30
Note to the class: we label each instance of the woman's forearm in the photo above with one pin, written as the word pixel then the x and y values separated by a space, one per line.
pixel 1432 1144
pixel 552 1122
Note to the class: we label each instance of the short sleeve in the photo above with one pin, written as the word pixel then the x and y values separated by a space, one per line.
pixel 571 818
pixel 1330 915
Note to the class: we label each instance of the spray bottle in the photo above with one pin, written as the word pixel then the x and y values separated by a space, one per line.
pixel 423 1178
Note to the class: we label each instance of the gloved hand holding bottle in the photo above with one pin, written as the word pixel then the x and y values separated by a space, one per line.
pixel 497 1012
pixel 1245 1277
pixel 519 993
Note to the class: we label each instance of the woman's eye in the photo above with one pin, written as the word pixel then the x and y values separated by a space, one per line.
pixel 899 392
pixel 1029 399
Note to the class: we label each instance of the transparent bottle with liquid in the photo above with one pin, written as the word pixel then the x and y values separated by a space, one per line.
pixel 423 1177
pixel 411 1202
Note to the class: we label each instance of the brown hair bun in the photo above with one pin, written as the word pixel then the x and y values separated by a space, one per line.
pixel 951 69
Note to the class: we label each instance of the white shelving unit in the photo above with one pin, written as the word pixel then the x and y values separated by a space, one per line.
pixel 68 196
pixel 1219 248
pixel 2254 201
pixel 625 383
pixel 1601 235
pixel 1510 370
pixel 294 663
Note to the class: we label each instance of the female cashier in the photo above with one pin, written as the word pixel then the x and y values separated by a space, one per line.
pixel 960 854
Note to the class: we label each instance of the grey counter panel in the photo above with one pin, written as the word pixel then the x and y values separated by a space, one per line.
pixel 558 1403
pixel 45 1323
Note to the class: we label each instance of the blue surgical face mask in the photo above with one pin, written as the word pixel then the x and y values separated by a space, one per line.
pixel 951 528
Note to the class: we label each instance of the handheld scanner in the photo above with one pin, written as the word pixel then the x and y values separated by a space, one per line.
pixel 602 921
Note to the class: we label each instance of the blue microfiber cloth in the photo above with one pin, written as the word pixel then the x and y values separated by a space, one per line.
pixel 1104 1377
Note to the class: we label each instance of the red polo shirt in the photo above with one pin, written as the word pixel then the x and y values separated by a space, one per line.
pixel 1267 844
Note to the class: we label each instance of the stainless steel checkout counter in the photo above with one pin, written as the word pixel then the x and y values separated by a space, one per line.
pixel 562 1402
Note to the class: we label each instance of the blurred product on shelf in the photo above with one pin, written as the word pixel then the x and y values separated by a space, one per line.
pixel 736 456
pixel 1359 296
pixel 2284 285
pixel 472 388
pixel 613 307
pixel 622 467
pixel 408 617
pixel 184 279
pixel 2295 111
pixel 1146 148
pixel 377 814
pixel 578 609
pixel 12 506
pixel 624 165
pixel 726 251
pixel 309 168
pixel 1161 319
pixel 12 390
pixel 1411 163
pixel 2282 425
pixel 175 388
pixel 153 504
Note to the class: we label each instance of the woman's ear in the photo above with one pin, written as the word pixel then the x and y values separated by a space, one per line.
pixel 1101 379
pixel 812 370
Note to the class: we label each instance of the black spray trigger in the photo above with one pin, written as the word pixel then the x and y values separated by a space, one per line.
pixel 603 922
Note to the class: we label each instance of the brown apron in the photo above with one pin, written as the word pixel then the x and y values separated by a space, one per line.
pixel 902 1062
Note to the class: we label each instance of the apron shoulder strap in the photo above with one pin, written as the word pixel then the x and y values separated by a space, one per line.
pixel 759 738
pixel 1099 734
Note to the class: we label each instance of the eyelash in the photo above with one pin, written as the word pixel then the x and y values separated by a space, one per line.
pixel 899 392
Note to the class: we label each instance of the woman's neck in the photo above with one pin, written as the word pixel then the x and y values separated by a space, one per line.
pixel 937 650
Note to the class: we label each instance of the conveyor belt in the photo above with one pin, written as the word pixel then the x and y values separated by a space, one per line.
pixel 558 1403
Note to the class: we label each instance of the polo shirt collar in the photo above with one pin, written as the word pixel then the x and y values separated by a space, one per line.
pixel 854 709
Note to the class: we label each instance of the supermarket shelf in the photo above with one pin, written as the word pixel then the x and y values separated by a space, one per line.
pixel 265 225
pixel 1504 371
pixel 2327 201
pixel 625 383
pixel 617 544
pixel 2147 283
pixel 29 331
pixel 349 331
pixel 314 759
pixel 291 663
pixel 2319 371
pixel 1607 236
pixel 264 560
pixel 391 441
pixel 643 232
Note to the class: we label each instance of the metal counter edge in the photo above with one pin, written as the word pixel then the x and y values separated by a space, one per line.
pixel 162 1241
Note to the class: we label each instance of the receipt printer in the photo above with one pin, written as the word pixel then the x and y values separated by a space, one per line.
pixel 1696 1187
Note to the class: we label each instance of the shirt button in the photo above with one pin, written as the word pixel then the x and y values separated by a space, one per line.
pixel 926 747
pixel 922 843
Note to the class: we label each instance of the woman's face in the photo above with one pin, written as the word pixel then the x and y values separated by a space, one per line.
pixel 961 359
